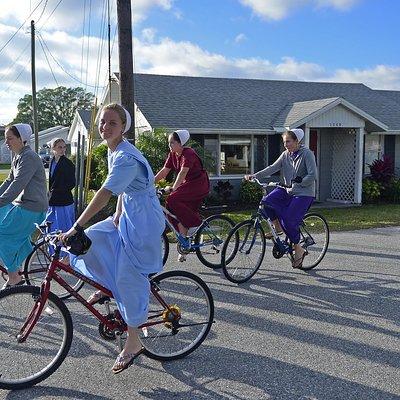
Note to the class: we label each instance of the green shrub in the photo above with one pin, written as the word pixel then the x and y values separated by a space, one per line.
pixel 371 191
pixel 223 192
pixel 99 167
pixel 250 192
pixel 392 191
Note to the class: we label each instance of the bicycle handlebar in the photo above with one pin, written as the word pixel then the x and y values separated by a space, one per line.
pixel 271 184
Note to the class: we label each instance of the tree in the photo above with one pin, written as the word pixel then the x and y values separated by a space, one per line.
pixel 55 106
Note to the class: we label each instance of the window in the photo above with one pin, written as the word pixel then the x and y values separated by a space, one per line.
pixel 211 148
pixel 260 152
pixel 373 150
pixel 235 155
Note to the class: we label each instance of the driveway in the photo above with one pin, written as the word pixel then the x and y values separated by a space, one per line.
pixel 333 333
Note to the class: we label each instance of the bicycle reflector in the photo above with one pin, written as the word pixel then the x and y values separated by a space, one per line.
pixel 79 243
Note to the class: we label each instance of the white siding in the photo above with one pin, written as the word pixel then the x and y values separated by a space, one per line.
pixel 337 117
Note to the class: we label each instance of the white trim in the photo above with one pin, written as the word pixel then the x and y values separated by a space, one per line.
pixel 359 170
pixel 346 104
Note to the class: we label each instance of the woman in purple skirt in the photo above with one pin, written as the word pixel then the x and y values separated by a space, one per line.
pixel 287 207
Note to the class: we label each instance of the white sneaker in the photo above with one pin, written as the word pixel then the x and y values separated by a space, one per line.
pixel 181 258
pixel 192 230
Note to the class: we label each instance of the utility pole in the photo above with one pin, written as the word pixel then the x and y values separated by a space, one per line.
pixel 126 61
pixel 34 102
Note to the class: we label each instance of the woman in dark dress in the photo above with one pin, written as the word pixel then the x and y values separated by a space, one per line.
pixel 61 210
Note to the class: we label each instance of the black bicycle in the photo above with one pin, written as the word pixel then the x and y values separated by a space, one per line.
pixel 245 247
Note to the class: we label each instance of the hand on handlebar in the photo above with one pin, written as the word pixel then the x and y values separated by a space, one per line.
pixel 248 177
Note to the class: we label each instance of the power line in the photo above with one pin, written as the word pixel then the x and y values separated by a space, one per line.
pixel 15 33
pixel 61 66
pixel 83 35
pixel 15 61
pixel 41 14
pixel 22 70
pixel 88 43
pixel 54 9
pixel 48 63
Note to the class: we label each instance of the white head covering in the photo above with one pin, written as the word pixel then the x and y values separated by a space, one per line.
pixel 128 120
pixel 25 131
pixel 299 133
pixel 183 134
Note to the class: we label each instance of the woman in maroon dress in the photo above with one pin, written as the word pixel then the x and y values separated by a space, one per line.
pixel 191 185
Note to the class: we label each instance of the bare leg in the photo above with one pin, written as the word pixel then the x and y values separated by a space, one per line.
pixel 298 255
pixel 277 225
pixel 130 351
pixel 14 278
pixel 182 230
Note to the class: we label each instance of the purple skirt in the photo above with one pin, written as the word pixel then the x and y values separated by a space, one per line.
pixel 290 211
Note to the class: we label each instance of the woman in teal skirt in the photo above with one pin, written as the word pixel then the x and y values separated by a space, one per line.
pixel 23 201
pixel 125 248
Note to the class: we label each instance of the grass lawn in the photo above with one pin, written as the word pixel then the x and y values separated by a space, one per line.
pixel 347 219
pixel 2 177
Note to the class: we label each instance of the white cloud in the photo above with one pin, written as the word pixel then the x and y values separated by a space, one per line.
pixel 240 38
pixel 160 56
pixel 148 34
pixel 280 9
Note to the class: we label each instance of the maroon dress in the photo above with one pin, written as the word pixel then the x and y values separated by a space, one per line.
pixel 185 201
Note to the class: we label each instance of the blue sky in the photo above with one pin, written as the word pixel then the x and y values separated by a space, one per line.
pixel 311 40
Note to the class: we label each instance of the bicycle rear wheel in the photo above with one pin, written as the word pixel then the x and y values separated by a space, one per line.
pixel 246 246
pixel 25 364
pixel 210 238
pixel 314 237
pixel 180 328
pixel 35 269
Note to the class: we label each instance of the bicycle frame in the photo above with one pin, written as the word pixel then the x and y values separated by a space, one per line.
pixel 186 242
pixel 118 326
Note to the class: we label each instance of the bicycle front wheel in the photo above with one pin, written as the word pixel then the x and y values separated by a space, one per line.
pixel 181 312
pixel 36 266
pixel 164 247
pixel 314 237
pixel 210 238
pixel 246 243
pixel 25 364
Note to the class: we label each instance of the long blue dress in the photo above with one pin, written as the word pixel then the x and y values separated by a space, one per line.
pixel 122 258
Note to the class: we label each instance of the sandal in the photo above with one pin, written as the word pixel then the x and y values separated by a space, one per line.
pixel 269 235
pixel 298 262
pixel 124 362
pixel 95 297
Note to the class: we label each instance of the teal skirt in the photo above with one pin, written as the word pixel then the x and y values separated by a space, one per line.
pixel 16 227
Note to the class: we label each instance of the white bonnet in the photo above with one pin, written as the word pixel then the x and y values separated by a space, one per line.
pixel 298 132
pixel 25 131
pixel 183 134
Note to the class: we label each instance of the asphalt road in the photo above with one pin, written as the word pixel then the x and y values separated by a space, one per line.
pixel 333 333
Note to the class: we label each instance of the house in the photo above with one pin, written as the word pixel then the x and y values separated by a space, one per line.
pixel 240 121
pixel 80 127
pixel 5 154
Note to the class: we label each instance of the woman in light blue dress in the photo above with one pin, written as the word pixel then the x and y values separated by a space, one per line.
pixel 126 248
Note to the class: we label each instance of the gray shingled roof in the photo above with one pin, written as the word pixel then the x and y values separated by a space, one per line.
pixel 300 110
pixel 86 116
pixel 224 103
pixel 393 95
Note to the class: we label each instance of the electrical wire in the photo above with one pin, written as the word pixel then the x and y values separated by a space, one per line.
pixel 61 66
pixel 48 63
pixel 49 16
pixel 15 33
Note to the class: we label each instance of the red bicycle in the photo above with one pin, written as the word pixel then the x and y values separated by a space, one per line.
pixel 37 329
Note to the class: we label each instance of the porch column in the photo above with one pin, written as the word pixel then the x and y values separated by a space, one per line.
pixel 359 165
pixel 307 136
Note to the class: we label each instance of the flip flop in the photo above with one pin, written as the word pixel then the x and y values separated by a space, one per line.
pixel 124 362
pixel 301 259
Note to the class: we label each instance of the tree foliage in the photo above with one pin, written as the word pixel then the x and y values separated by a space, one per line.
pixel 55 106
